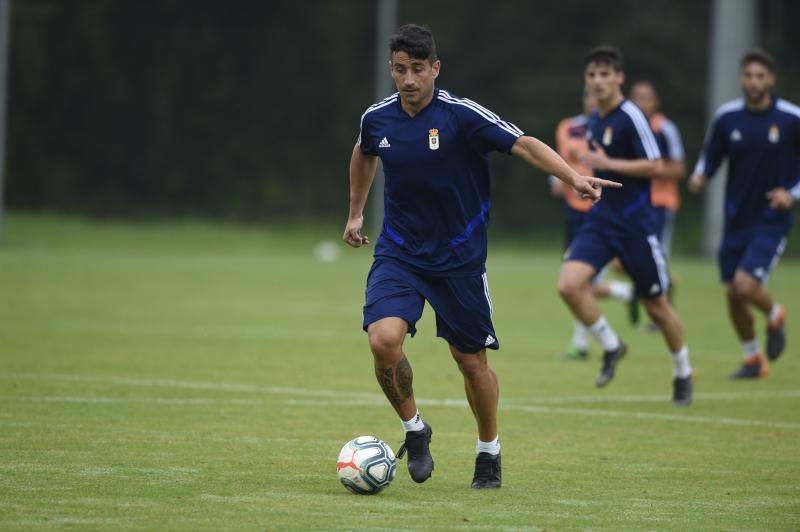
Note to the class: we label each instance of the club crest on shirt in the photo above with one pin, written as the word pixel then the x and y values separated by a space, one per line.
pixel 608 135
pixel 433 139
pixel 736 135
pixel 774 134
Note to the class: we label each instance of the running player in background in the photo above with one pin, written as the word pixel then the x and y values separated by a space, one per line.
pixel 622 225
pixel 664 193
pixel 571 145
pixel 760 136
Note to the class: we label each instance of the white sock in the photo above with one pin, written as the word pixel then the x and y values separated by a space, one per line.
pixel 773 312
pixel 415 423
pixel 492 447
pixel 750 347
pixel 580 336
pixel 605 334
pixel 621 291
pixel 680 363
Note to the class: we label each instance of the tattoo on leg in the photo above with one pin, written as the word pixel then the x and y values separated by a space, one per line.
pixel 396 381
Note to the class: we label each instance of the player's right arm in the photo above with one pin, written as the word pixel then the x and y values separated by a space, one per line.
pixel 362 172
pixel 710 157
pixel 540 155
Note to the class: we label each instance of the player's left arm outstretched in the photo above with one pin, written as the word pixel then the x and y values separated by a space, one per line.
pixel 540 155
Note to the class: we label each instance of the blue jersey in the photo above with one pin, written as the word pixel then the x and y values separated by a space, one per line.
pixel 763 151
pixel 624 133
pixel 436 167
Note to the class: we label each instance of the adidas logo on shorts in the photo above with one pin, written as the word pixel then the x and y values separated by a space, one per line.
pixel 384 143
pixel 489 340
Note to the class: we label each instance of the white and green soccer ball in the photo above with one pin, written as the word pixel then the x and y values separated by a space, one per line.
pixel 366 465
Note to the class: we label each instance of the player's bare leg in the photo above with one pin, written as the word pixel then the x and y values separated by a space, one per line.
pixel 480 383
pixel 742 292
pixel 663 315
pixel 575 288
pixel 483 391
pixel 740 314
pixel 395 377
pixel 392 368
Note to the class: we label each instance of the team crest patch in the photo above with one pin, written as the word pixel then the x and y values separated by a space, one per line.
pixel 774 134
pixel 608 136
pixel 433 139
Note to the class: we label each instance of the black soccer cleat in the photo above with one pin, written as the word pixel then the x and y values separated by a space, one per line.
pixel 754 367
pixel 488 473
pixel 610 360
pixel 682 391
pixel 420 461
pixel 776 336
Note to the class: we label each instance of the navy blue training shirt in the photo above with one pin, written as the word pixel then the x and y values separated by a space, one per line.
pixel 763 151
pixel 624 133
pixel 436 168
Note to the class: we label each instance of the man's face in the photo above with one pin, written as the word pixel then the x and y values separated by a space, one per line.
pixel 757 81
pixel 413 77
pixel 602 81
pixel 644 96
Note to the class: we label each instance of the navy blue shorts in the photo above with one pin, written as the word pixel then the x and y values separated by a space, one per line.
pixel 574 221
pixel 665 219
pixel 756 252
pixel 640 255
pixel 462 304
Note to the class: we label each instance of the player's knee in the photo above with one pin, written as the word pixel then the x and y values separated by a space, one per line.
pixel 385 344
pixel 568 288
pixel 470 365
pixel 658 309
pixel 742 286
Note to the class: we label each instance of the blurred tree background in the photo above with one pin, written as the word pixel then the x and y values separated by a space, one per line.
pixel 248 110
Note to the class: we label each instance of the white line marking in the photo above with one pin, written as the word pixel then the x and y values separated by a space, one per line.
pixel 193 385
pixel 309 392
pixel 589 399
pixel 586 412
pixel 367 399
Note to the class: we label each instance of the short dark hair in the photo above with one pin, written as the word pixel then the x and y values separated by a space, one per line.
pixel 760 56
pixel 415 40
pixel 605 55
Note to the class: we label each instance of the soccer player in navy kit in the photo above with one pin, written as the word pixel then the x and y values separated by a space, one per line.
pixel 434 147
pixel 760 136
pixel 623 224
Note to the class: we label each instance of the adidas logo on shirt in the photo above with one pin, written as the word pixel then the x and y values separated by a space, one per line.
pixel 736 135
pixel 384 143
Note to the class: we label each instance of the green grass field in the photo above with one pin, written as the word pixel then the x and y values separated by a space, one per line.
pixel 192 376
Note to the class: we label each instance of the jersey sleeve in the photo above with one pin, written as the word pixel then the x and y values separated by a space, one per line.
pixel 713 150
pixel 673 144
pixel 365 138
pixel 484 130
pixel 644 141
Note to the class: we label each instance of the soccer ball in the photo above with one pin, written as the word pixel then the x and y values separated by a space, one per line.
pixel 366 465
